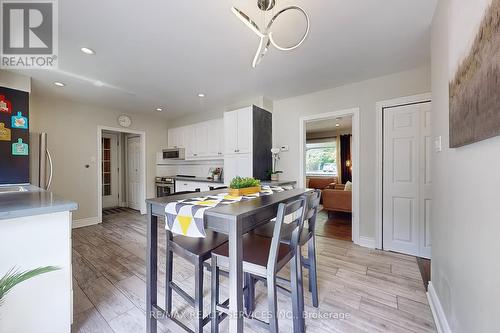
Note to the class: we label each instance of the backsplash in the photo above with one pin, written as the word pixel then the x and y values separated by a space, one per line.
pixel 189 168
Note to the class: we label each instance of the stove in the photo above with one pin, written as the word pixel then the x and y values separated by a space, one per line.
pixel 165 186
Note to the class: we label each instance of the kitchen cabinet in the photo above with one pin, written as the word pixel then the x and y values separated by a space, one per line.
pixel 187 185
pixel 203 140
pixel 238 128
pixel 237 165
pixel 247 143
pixel 177 137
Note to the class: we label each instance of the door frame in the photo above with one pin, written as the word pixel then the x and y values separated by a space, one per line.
pixel 354 113
pixel 142 134
pixel 379 166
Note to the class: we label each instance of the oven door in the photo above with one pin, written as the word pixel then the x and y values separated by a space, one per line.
pixel 164 190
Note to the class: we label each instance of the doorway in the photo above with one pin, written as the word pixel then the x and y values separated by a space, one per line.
pixel 405 150
pixel 121 170
pixel 329 161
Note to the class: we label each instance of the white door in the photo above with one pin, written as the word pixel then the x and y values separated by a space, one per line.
pixel 219 127
pixel 214 136
pixel 201 139
pixel 190 141
pixel 237 165
pixel 172 138
pixel 406 184
pixel 245 130
pixel 110 165
pixel 134 171
pixel 231 132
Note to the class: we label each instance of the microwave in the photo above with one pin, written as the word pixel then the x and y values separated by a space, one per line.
pixel 174 154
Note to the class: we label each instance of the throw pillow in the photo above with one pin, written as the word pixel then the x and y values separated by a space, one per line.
pixel 348 186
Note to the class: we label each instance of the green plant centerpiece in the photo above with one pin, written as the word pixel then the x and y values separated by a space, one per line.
pixel 13 277
pixel 244 186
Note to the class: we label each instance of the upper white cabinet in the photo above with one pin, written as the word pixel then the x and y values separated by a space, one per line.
pixel 238 128
pixel 201 141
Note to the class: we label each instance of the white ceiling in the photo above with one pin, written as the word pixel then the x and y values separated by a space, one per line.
pixel 163 53
pixel 329 125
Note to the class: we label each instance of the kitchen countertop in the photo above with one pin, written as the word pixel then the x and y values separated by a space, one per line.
pixel 278 182
pixel 32 201
pixel 197 179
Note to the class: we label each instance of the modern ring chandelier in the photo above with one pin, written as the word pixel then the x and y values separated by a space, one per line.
pixel 266 36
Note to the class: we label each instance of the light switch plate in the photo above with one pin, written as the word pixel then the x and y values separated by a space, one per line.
pixel 438 146
pixel 284 148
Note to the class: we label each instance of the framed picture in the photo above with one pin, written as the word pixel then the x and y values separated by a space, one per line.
pixel 474 58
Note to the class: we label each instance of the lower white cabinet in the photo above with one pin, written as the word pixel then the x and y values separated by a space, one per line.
pixel 187 185
pixel 237 165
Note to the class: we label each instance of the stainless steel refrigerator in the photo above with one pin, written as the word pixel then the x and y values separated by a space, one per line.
pixel 42 167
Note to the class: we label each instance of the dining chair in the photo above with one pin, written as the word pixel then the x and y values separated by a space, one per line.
pixel 196 251
pixel 307 237
pixel 263 258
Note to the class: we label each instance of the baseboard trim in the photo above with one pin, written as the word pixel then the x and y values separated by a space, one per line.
pixel 366 242
pixel 85 222
pixel 437 310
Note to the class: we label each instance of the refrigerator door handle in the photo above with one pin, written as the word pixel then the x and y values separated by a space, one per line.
pixel 49 182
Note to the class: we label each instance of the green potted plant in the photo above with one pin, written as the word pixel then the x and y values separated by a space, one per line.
pixel 244 186
pixel 13 277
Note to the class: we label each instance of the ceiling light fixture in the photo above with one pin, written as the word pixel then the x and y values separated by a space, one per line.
pixel 266 37
pixel 159 109
pixel 59 84
pixel 86 50
pixel 201 95
pixel 337 125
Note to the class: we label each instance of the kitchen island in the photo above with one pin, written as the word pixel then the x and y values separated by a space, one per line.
pixel 234 220
pixel 35 231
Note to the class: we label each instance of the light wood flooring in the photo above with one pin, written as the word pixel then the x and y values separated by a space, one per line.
pixel 374 291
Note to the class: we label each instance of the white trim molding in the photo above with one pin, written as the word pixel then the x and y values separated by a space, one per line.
pixel 379 153
pixel 437 310
pixel 366 242
pixel 142 135
pixel 80 223
pixel 354 113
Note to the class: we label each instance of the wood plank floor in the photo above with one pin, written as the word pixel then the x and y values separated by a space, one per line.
pixel 361 290
pixel 337 225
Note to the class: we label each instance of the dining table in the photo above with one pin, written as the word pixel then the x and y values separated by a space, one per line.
pixel 233 220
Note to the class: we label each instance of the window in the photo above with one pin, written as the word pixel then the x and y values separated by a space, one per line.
pixel 321 158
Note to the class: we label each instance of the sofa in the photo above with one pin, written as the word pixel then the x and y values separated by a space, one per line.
pixel 336 199
pixel 320 183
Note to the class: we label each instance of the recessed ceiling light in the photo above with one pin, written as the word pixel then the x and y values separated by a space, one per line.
pixel 337 125
pixel 86 50
pixel 59 84
pixel 201 95
pixel 159 109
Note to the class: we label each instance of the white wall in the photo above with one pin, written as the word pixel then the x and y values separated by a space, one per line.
pixel 15 81
pixel 72 135
pixel 466 211
pixel 364 95
pixel 196 117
